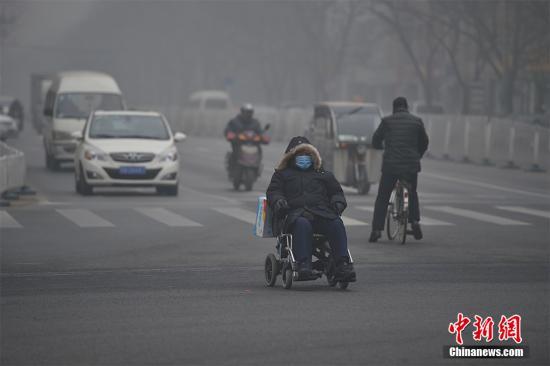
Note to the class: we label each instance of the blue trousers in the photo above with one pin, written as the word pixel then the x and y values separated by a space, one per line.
pixel 302 237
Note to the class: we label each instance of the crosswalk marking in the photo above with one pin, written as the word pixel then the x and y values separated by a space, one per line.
pixel 84 218
pixel 6 221
pixel 238 213
pixel 167 217
pixel 527 211
pixel 424 220
pixel 348 221
pixel 476 215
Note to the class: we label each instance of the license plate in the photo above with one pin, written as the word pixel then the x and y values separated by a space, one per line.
pixel 132 170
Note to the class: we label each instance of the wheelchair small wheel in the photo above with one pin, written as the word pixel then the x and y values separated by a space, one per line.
pixel 343 285
pixel 287 278
pixel 271 270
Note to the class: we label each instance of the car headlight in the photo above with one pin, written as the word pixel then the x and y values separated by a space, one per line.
pixel 90 154
pixel 61 135
pixel 171 155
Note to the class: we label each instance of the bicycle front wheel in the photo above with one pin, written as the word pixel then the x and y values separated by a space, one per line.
pixel 403 226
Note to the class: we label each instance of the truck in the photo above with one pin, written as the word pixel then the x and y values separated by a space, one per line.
pixel 40 83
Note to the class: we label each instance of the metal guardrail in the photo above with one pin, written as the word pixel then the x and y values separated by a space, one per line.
pixel 490 141
pixel 476 139
pixel 12 168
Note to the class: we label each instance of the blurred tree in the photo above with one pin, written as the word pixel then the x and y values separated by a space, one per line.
pixel 9 12
pixel 510 35
pixel 326 30
pixel 415 36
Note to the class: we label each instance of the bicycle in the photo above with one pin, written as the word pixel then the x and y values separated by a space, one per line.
pixel 398 212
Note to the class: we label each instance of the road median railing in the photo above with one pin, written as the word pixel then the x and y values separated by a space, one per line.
pixel 489 141
pixel 484 140
pixel 12 173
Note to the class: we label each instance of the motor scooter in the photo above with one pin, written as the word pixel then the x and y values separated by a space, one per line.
pixel 246 167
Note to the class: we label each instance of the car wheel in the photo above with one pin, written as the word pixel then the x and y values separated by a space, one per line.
pixel 51 163
pixel 82 186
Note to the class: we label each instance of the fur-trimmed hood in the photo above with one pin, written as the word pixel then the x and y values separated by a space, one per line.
pixel 301 148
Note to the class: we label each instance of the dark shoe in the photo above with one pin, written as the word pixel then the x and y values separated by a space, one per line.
pixel 417 231
pixel 344 272
pixel 374 236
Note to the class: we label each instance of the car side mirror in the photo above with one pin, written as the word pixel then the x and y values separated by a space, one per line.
pixel 267 127
pixel 77 135
pixel 179 136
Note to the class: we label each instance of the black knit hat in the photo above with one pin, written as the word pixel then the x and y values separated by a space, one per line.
pixel 295 141
pixel 400 103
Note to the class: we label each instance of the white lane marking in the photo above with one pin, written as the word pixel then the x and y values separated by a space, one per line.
pixel 424 220
pixel 527 211
pixel 166 217
pixel 348 221
pixel 215 196
pixel 485 185
pixel 238 213
pixel 476 215
pixel 84 218
pixel 6 221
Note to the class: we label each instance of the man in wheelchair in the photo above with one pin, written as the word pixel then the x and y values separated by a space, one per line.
pixel 310 200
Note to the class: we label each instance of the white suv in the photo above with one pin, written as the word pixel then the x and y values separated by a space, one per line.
pixel 127 148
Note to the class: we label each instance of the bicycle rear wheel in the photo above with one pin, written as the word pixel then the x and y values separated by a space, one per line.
pixel 404 212
pixel 393 221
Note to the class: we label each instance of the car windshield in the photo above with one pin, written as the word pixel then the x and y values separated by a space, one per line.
pixel 128 127
pixel 79 105
pixel 357 121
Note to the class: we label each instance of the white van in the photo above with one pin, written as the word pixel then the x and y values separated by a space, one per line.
pixel 210 100
pixel 207 112
pixel 69 101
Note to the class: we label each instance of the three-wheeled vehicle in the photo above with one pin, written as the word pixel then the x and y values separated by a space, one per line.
pixel 342 132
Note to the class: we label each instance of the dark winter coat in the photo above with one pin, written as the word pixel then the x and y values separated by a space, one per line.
pixel 238 125
pixel 309 193
pixel 404 140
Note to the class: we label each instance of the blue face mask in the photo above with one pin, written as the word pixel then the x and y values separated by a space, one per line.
pixel 303 161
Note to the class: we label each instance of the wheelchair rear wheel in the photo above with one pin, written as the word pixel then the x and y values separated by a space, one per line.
pixel 271 270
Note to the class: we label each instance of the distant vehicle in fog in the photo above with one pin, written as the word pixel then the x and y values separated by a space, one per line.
pixel 69 101
pixel 40 83
pixel 127 148
pixel 210 99
pixel 421 107
pixel 8 127
pixel 342 132
pixel 207 111
pixel 10 106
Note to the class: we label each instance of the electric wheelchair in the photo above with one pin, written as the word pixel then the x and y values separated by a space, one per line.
pixel 284 263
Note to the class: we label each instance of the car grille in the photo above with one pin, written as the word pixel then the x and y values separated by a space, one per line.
pixel 133 157
pixel 149 174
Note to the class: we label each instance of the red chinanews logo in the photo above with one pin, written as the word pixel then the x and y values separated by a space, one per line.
pixel 508 328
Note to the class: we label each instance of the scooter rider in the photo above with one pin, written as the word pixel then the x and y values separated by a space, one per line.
pixel 313 201
pixel 404 142
pixel 244 121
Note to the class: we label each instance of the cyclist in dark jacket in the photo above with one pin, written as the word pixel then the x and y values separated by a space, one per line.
pixel 404 140
pixel 312 200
